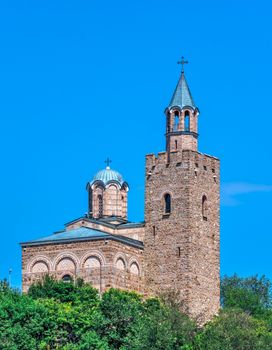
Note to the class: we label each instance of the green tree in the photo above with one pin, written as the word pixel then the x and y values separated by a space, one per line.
pixel 160 327
pixel 92 341
pixel 71 311
pixel 22 321
pixel 75 292
pixel 71 316
pixel 234 330
pixel 119 312
pixel 252 294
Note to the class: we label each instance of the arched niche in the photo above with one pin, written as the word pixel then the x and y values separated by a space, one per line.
pixel 40 267
pixel 65 264
pixel 120 264
pixel 134 268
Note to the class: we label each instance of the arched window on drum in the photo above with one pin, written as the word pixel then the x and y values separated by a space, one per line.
pixel 100 205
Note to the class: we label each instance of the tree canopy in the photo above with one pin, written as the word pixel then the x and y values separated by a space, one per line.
pixel 69 316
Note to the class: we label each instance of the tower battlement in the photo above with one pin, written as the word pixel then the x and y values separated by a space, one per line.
pixel 185 159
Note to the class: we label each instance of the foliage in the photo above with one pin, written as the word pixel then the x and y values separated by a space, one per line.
pixel 234 330
pixel 120 311
pixel 76 292
pixel 72 316
pixel 252 295
pixel 22 321
pixel 160 327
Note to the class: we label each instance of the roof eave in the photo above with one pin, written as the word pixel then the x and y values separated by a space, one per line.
pixel 121 239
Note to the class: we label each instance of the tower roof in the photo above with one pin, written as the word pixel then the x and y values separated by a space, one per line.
pixel 182 96
pixel 108 175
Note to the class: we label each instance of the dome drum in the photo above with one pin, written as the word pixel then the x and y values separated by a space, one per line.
pixel 108 194
pixel 99 183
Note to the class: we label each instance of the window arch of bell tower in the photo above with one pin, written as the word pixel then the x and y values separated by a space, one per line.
pixel 168 122
pixel 176 126
pixel 187 117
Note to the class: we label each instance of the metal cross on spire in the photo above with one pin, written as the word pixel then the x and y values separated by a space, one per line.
pixel 108 161
pixel 182 62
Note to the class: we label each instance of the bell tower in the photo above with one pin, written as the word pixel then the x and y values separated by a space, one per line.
pixel 181 117
pixel 182 213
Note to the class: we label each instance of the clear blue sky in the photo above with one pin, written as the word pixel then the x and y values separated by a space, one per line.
pixel 83 80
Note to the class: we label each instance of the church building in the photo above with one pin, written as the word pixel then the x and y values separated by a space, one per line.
pixel 176 248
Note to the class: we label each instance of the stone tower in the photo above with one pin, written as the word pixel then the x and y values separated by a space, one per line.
pixel 182 213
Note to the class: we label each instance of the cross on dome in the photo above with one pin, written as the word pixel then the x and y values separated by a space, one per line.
pixel 107 161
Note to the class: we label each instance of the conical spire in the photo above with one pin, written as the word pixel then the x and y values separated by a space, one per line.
pixel 182 96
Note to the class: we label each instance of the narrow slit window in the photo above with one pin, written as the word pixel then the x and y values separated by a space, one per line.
pixel 204 208
pixel 179 252
pixel 167 203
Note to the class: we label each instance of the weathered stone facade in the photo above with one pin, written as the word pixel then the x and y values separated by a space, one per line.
pixel 111 260
pixel 175 249
pixel 105 264
pixel 182 247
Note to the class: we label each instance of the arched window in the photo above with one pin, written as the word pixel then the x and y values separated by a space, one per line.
pixel 187 121
pixel 67 278
pixel 168 123
pixel 167 203
pixel 100 205
pixel 204 207
pixel 90 201
pixel 176 121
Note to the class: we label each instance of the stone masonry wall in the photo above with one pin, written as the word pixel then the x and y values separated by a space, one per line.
pixel 104 263
pixel 114 201
pixel 182 248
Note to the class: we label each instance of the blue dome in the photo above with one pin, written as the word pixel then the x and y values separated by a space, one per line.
pixel 107 175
